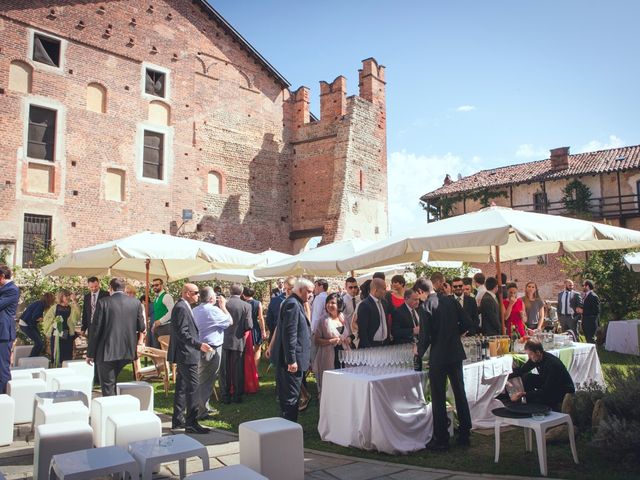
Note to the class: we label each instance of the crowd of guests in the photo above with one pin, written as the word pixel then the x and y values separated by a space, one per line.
pixel 210 335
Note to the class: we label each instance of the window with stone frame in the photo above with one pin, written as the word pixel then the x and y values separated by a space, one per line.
pixel 46 50
pixel 36 235
pixel 155 83
pixel 153 155
pixel 41 133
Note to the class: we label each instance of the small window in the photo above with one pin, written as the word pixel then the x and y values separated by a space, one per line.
pixel 540 202
pixel 96 98
pixel 155 83
pixel 20 77
pixel 114 185
pixel 42 133
pixel 214 183
pixel 36 235
pixel 153 155
pixel 46 50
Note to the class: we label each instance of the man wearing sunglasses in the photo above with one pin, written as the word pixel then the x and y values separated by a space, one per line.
pixel 162 307
pixel 351 300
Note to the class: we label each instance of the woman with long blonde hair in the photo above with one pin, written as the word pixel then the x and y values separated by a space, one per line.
pixel 59 325
pixel 534 307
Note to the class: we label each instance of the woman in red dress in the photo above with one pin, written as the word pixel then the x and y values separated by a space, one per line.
pixel 515 312
pixel 395 297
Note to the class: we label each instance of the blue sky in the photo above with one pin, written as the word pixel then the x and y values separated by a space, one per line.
pixel 470 84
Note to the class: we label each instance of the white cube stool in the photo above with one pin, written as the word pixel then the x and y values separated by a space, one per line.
pixel 20 351
pixel 8 409
pixel 21 375
pixel 540 428
pixel 72 363
pixel 23 393
pixel 273 447
pixel 34 362
pixel 51 373
pixel 35 372
pixel 59 396
pixel 77 384
pixel 81 367
pixel 233 472
pixel 124 428
pixel 143 391
pixel 53 439
pixel 47 413
pixel 102 407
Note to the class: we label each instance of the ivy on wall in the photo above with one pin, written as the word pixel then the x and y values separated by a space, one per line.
pixel 442 207
pixel 576 197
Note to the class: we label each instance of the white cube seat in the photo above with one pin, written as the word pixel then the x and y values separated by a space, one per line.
pixel 51 373
pixel 75 383
pixel 47 413
pixel 21 375
pixel 20 351
pixel 232 472
pixel 273 447
pixel 8 409
pixel 33 362
pixel 23 393
pixel 80 367
pixel 124 428
pixel 53 439
pixel 143 391
pixel 58 396
pixel 35 372
pixel 102 407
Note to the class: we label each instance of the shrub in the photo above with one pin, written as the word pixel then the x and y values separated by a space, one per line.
pixel 584 401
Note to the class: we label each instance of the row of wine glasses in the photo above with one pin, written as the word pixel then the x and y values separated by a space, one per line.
pixel 387 356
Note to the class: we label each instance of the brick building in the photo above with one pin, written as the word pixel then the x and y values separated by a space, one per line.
pixel 116 116
pixel 600 186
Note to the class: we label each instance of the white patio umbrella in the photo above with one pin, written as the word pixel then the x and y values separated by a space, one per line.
pixel 494 234
pixel 632 261
pixel 244 275
pixel 321 261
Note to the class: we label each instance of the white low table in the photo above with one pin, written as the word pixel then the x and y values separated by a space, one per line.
pixel 151 453
pixel 540 427
pixel 364 407
pixel 93 463
pixel 623 337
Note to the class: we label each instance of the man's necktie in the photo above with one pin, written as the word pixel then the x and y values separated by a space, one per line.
pixel 93 304
pixel 566 302
pixel 414 314
pixel 353 302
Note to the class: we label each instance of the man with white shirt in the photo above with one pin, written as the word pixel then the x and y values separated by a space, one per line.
pixel 569 304
pixel 372 318
pixel 211 318
pixel 351 299
pixel 162 307
pixel 479 281
pixel 320 288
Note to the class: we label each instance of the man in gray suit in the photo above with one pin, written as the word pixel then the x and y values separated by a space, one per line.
pixel 117 331
pixel 569 305
pixel 232 366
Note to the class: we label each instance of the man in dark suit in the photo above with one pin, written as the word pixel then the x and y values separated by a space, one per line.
pixel 405 322
pixel 116 333
pixel 590 311
pixel 372 317
pixel 9 297
pixel 569 305
pixel 468 304
pixel 91 302
pixel 232 366
pixel 490 309
pixel 184 351
pixel 292 348
pixel 441 326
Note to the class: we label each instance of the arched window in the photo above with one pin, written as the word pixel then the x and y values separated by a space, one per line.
pixel 159 113
pixel 214 182
pixel 96 98
pixel 20 76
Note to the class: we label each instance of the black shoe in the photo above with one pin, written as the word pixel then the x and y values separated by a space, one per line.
pixel 437 447
pixel 464 441
pixel 196 428
pixel 177 426
pixel 206 416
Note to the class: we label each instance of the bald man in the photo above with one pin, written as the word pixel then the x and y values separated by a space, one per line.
pixel 372 317
pixel 184 350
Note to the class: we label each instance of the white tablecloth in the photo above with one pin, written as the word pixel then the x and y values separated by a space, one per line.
pixel 483 381
pixel 622 337
pixel 372 411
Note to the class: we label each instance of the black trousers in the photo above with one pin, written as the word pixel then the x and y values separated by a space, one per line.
pixel 38 342
pixel 589 327
pixel 108 373
pixel 231 374
pixel 288 388
pixel 185 395
pixel 5 364
pixel 438 375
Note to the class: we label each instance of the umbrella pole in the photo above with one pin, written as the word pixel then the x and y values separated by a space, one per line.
pixel 146 295
pixel 499 278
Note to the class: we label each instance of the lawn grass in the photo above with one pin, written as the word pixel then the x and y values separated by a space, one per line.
pixel 594 463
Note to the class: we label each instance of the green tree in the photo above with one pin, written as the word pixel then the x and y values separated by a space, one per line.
pixel 616 285
pixel 423 270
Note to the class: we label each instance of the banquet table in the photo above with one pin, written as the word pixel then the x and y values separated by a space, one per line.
pixel 623 336
pixel 374 408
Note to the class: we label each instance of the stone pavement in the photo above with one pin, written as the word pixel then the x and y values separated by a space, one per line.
pixel 16 462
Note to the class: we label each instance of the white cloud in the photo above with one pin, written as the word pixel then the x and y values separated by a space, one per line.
pixel 527 150
pixel 411 176
pixel 465 108
pixel 613 142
